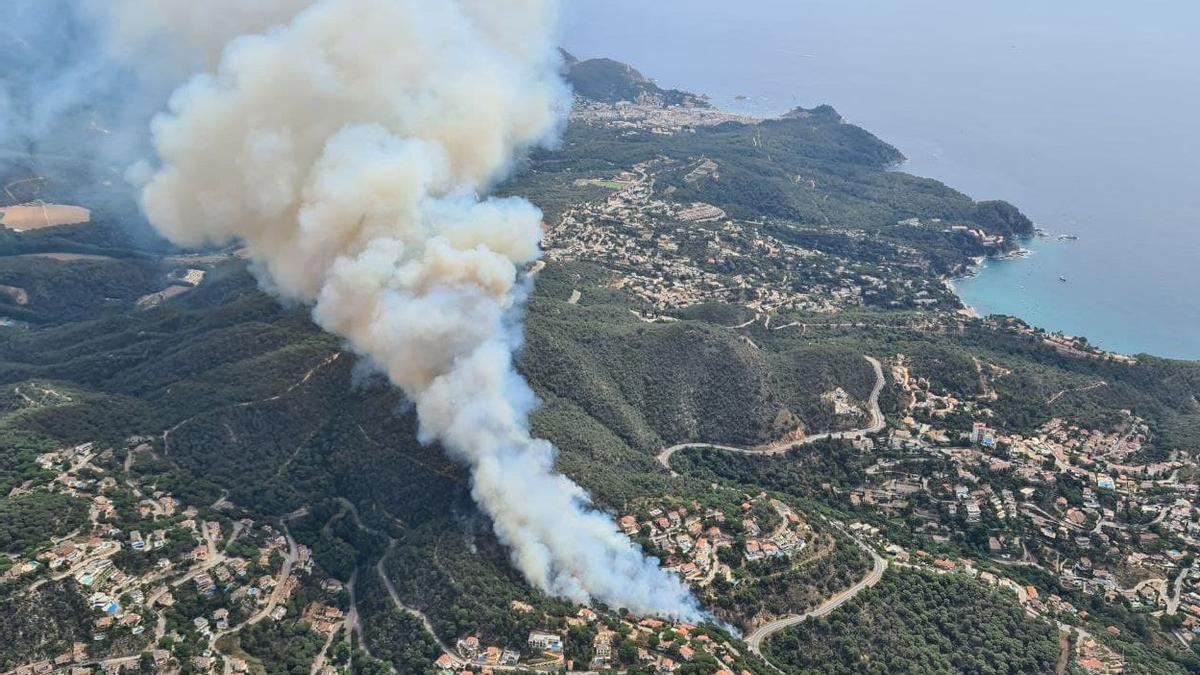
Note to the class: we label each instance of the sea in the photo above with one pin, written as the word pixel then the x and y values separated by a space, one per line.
pixel 1083 113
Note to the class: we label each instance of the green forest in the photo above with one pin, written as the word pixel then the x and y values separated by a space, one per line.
pixel 915 622
pixel 31 520
pixel 45 622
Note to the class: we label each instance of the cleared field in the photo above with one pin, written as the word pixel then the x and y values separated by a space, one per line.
pixel 37 216
pixel 600 182
pixel 153 300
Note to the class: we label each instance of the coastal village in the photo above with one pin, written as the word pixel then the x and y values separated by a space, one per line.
pixel 661 646
pixel 677 255
pixel 674 254
pixel 167 582
pixel 651 114
pixel 689 538
pixel 201 577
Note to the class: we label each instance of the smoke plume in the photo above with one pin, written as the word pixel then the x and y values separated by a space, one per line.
pixel 347 143
pixel 53 76
pixel 80 81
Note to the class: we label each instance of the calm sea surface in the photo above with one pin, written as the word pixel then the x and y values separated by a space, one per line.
pixel 1084 113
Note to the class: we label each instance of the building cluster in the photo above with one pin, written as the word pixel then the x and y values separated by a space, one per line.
pixel 788 538
pixel 619 641
pixel 191 557
pixel 690 540
pixel 688 537
pixel 675 255
pixel 1082 504
pixel 650 115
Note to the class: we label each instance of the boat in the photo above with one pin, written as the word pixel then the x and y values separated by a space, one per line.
pixel 1063 279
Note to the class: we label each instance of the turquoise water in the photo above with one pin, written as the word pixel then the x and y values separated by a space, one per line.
pixel 1081 112
pixel 1096 308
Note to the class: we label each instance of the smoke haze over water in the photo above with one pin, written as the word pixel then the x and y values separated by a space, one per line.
pixel 348 143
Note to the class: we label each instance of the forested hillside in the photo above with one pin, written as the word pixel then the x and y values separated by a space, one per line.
pixel 245 404
pixel 921 623
pixel 613 81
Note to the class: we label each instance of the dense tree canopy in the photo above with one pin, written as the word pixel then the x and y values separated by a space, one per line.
pixel 915 622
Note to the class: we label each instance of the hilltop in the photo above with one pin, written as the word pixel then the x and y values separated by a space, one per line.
pixel 612 82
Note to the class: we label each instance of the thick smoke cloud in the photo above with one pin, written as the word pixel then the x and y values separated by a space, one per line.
pixel 347 146
pixel 58 97
pixel 80 81
pixel 183 36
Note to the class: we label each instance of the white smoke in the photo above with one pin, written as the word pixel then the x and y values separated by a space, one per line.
pixel 187 35
pixel 57 93
pixel 81 79
pixel 347 146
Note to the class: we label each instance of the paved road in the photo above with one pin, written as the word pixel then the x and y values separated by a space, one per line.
pixel 1176 591
pixel 412 611
pixel 1162 514
pixel 381 571
pixel 878 422
pixel 277 595
pixel 1035 510
pixel 755 639
pixel 664 457
pixel 285 573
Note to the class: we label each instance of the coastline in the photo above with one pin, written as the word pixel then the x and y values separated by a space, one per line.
pixel 978 265
pixel 1132 280
pixel 965 309
pixel 1080 289
pixel 975 268
pixel 1006 282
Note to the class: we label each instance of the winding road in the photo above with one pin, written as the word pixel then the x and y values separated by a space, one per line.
pixel 755 639
pixel 381 571
pixel 879 564
pixel 278 593
pixel 877 424
pixel 1173 598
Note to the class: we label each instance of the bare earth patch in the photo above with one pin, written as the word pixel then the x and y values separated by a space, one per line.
pixel 155 299
pixel 37 216
pixel 15 294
